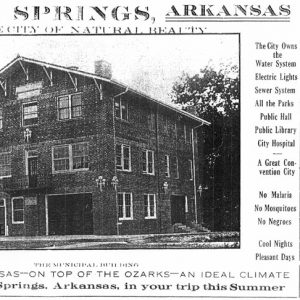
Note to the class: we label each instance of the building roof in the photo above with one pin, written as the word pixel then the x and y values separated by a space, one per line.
pixel 7 69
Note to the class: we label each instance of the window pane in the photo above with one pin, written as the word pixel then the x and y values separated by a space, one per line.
pixel 144 160
pixel 61 165
pixel 63 102
pixel 146 205
pixel 119 156
pixel 30 114
pixel 120 205
pixel 5 164
pixel 63 107
pixel 80 156
pixel 61 158
pixel 124 109
pixel 76 112
pixel 126 158
pixel 76 106
pixel 117 108
pixel 64 114
pixel 18 210
pixel 18 216
pixel 76 100
pixel 18 203
pixel 61 152
pixel 127 199
pixel 150 162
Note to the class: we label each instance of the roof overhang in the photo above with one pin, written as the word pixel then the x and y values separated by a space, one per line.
pixel 10 67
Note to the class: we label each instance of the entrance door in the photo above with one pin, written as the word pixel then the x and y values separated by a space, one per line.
pixel 70 214
pixel 178 209
pixel 32 171
pixel 2 216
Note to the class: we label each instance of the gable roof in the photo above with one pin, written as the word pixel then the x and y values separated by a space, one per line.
pixel 6 69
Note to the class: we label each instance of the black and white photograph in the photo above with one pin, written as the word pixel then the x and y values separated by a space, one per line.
pixel 120 142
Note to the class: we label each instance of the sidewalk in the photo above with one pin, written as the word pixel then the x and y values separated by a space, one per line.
pixel 175 240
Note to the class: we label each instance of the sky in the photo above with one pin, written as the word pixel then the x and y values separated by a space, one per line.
pixel 151 63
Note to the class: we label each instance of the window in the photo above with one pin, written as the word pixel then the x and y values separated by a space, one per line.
pixel 80 156
pixel 187 134
pixel 121 109
pixel 70 157
pixel 191 170
pixel 165 123
pixel 5 165
pixel 150 206
pixel 69 107
pixel 148 162
pixel 30 114
pixel 18 210
pixel 151 121
pixel 1 118
pixel 167 165
pixel 176 168
pixel 125 211
pixel 123 157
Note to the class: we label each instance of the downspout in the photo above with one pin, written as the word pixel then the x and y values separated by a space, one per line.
pixel 115 153
pixel 156 169
pixel 194 171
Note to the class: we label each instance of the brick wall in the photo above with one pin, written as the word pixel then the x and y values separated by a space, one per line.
pixel 97 127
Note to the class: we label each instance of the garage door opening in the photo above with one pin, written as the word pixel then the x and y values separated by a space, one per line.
pixel 70 214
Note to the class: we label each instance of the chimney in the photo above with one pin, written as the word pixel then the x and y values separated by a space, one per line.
pixel 103 68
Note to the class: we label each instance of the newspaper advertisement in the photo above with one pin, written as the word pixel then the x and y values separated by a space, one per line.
pixel 149 149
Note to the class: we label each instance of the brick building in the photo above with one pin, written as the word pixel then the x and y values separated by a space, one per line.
pixel 83 154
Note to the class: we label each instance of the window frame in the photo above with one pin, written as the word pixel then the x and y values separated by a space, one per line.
pixel 167 165
pixel 7 153
pixel 70 117
pixel 121 117
pixel 37 112
pixel 149 217
pixel 147 162
pixel 70 158
pixel 13 210
pixel 122 157
pixel 124 218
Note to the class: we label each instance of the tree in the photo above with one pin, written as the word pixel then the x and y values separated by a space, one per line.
pixel 214 96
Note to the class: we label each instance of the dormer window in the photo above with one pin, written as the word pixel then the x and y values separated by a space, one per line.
pixel 30 114
pixel 69 107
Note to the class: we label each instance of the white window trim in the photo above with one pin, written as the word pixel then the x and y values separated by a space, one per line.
pixel 70 107
pixel 148 207
pixel 124 207
pixel 191 170
pixel 167 171
pixel 12 209
pixel 147 160
pixel 37 108
pixel 7 176
pixel 26 160
pixel 70 170
pixel 122 158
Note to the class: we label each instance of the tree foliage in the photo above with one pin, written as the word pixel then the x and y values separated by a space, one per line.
pixel 214 96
